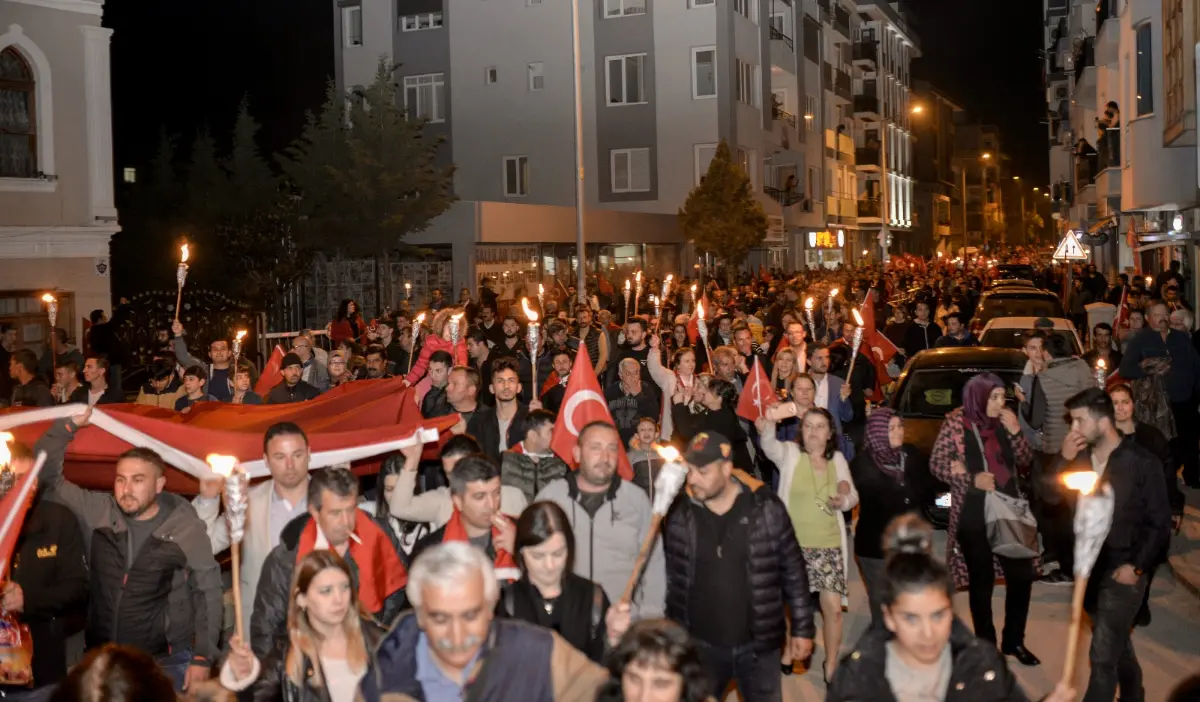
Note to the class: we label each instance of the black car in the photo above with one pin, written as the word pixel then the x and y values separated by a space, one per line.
pixel 1019 271
pixel 1015 302
pixel 932 385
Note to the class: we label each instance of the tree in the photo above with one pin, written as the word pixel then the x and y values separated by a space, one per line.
pixel 721 215
pixel 365 173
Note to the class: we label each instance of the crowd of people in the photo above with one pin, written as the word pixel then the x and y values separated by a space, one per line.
pixel 505 570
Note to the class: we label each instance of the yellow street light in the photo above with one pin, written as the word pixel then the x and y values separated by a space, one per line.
pixel 1016 177
pixel 986 155
pixel 1037 190
pixel 917 109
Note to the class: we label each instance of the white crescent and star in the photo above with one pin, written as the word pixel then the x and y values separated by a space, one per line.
pixel 573 403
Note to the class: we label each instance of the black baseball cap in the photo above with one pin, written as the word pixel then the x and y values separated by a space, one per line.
pixel 706 448
pixel 290 359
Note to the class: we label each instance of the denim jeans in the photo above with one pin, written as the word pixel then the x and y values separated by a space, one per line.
pixel 757 675
pixel 1114 663
pixel 175 665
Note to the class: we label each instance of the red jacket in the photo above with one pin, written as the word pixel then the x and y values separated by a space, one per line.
pixel 432 344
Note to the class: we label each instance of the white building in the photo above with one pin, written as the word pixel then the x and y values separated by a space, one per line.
pixel 56 181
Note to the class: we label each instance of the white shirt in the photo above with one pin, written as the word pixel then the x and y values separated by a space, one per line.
pixel 822 397
pixel 94 397
pixel 340 680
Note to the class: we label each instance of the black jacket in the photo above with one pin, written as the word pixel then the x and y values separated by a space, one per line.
pixel 918 338
pixel 581 608
pixel 35 393
pixel 268 624
pixel 273 683
pixel 775 568
pixel 1150 438
pixel 881 498
pixel 722 421
pixel 485 427
pixel 979 673
pixel 50 566
pixel 435 404
pixel 282 394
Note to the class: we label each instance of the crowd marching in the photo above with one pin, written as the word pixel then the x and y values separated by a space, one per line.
pixel 512 567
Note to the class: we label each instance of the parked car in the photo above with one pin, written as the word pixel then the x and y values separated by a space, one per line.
pixel 932 385
pixel 1015 302
pixel 1005 332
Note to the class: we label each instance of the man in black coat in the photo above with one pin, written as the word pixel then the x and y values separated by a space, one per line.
pixel 723 522
pixel 292 388
pixel 49 586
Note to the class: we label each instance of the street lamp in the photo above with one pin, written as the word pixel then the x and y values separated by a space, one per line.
pixel 917 109
pixel 1016 177
pixel 986 155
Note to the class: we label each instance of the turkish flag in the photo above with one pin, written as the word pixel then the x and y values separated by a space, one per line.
pixel 13 507
pixel 583 404
pixel 1122 313
pixel 757 396
pixel 871 333
pixel 271 374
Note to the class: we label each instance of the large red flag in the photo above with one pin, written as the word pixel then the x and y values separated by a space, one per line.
pixel 757 395
pixel 583 404
pixel 871 333
pixel 271 374
pixel 13 507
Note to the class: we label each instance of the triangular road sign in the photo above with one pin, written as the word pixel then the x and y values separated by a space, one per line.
pixel 1069 249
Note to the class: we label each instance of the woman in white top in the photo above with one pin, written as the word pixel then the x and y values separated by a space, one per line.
pixel 329 642
pixel 681 374
pixel 815 484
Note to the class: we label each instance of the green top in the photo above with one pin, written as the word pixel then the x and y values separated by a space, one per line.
pixel 815 528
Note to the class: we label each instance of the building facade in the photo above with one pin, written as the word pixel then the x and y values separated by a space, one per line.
pixel 56 182
pixel 938 205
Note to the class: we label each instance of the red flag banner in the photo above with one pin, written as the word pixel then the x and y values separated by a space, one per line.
pixel 583 405
pixel 271 374
pixel 13 507
pixel 757 395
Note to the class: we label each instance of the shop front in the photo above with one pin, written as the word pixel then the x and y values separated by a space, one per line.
pixel 825 249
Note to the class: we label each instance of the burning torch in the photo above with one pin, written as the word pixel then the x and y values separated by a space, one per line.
pixel 666 289
pixel 1093 519
pixel 454 334
pixel 703 327
pixel 663 492
pixel 531 337
pixel 181 277
pixel 637 291
pixel 1101 373
pixel 626 299
pixel 858 335
pixel 52 313
pixel 808 314
pixel 237 501
pixel 416 331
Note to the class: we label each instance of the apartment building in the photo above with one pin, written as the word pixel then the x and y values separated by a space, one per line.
pixel 56 182
pixel 663 83
pixel 1121 86
pixel 883 51
pixel 938 207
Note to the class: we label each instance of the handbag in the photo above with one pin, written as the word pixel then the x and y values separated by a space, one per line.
pixel 1011 526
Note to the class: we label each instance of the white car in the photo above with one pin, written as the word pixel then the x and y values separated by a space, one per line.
pixel 1005 332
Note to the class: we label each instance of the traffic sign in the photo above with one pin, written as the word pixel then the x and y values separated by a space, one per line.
pixel 1069 249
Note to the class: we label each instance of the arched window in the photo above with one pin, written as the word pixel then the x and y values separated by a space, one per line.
pixel 18 122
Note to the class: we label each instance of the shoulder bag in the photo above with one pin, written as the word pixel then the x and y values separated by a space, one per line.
pixel 1011 526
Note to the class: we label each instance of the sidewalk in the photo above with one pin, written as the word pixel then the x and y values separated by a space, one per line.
pixel 1184 558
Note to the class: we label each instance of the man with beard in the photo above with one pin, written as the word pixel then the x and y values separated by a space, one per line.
pixel 139 539
pixel 1140 529
pixel 292 388
pixel 512 343
pixel 493 333
pixel 562 359
pixel 736 614
pixel 479 350
pixel 637 348
pixel 271 505
pixel 220 374
pixel 476 419
pixel 377 362
pixel 922 333
pixel 451 647
pixel 593 339
pixel 611 518
pixel 630 400
pixel 510 411
pixel 435 403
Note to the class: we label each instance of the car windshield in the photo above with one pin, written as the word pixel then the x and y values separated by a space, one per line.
pixel 1020 306
pixel 933 392
pixel 1011 339
pixel 1015 271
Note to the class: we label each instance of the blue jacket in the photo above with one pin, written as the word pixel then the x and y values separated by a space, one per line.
pixel 1183 379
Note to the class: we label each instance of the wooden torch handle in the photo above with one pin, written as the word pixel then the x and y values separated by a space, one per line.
pixel 236 552
pixel 640 564
pixel 1068 676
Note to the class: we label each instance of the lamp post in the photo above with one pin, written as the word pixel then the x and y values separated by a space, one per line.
pixel 580 251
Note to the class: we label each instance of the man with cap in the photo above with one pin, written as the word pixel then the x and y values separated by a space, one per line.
pixel 733 565
pixel 292 388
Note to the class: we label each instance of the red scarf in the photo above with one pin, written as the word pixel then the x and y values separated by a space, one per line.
pixel 380 572
pixel 551 381
pixel 457 531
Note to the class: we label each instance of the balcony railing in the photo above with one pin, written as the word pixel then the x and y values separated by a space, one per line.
pixel 1086 168
pixel 787 198
pixel 784 116
pixel 866 103
pixel 823 4
pixel 777 35
pixel 843 85
pixel 869 208
pixel 866 156
pixel 841 20
pixel 866 51
pixel 1108 150
pixel 1085 56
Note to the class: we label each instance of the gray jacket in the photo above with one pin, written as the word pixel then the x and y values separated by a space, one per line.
pixel 1033 436
pixel 187 360
pixel 1062 378
pixel 607 545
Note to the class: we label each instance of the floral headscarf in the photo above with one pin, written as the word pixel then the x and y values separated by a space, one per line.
pixel 889 459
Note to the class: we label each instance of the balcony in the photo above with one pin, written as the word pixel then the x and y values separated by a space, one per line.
pixel 824 5
pixel 1108 31
pixel 779 36
pixel 1108 150
pixel 785 198
pixel 1086 168
pixel 867 157
pixel 841 210
pixel 866 55
pixel 841 22
pixel 866 107
pixel 1084 56
pixel 781 115
pixel 842 86
pixel 870 208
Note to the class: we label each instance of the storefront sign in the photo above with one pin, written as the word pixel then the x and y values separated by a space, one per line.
pixel 827 240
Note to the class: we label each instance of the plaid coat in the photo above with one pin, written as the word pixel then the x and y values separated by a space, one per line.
pixel 949 447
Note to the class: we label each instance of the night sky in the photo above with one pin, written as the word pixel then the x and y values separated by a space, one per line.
pixel 184 65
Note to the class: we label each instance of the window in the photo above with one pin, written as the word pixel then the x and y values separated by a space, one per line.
pixel 129 175
pixel 810 185
pixel 778 23
pixel 537 76
pixel 810 113
pixel 742 7
pixel 1145 71
pixel 490 75
pixel 702 3
pixel 425 96
pixel 516 176
pixel 415 23
pixel 704 156
pixel 18 127
pixel 704 72
pixel 747 88
pixel 619 8
pixel 352 26
pixel 626 76
pixel 630 170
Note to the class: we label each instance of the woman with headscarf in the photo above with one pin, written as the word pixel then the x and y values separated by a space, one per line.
pixel 892 479
pixel 979 449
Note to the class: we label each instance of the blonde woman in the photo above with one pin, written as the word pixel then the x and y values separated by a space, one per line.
pixel 815 484
pixel 682 373
pixel 329 646
pixel 784 373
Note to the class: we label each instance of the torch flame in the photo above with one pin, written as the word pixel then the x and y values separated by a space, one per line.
pixel 5 453
pixel 541 289
pixel 700 310
pixel 1101 364
pixel 1084 481
pixel 48 298
pixel 458 317
pixel 638 276
pixel 857 318
pixel 183 253
pixel 693 289
pixel 529 313
pixel 241 334
pixel 668 453
pixel 1149 281
pixel 808 304
pixel 670 277
pixel 833 293
pixel 420 319
pixel 626 285
pixel 221 465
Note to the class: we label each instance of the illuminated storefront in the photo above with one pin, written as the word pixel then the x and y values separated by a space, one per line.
pixel 825 249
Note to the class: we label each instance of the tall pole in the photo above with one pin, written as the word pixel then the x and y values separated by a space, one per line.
pixel 580 249
pixel 983 172
pixel 962 199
